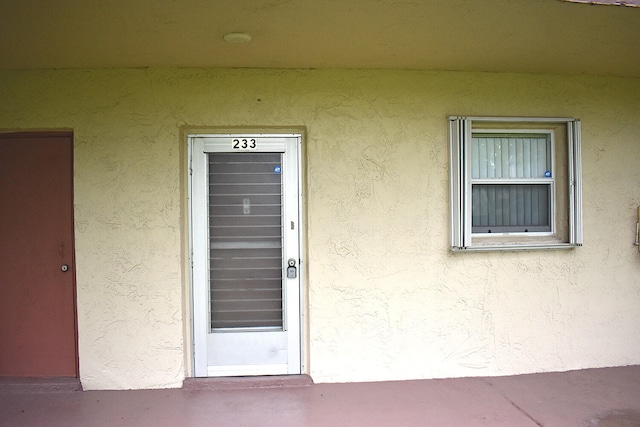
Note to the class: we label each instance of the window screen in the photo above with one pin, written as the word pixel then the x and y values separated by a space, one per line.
pixel 511 183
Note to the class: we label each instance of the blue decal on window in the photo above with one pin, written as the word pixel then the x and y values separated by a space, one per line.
pixel 547 174
pixel 277 169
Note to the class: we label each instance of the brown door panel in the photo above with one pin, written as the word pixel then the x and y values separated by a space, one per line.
pixel 37 298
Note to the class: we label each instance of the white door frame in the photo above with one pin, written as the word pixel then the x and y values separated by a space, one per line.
pixel 295 329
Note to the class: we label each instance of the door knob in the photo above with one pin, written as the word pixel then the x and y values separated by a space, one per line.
pixel 64 267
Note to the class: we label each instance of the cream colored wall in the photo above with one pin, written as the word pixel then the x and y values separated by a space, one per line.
pixel 387 300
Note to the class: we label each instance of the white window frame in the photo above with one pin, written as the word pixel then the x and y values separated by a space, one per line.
pixel 461 130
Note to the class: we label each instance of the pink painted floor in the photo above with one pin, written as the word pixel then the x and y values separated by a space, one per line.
pixel 607 397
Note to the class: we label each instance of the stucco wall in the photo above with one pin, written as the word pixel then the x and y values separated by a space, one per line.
pixel 387 300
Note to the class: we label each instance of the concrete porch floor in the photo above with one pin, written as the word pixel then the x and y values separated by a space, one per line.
pixel 608 397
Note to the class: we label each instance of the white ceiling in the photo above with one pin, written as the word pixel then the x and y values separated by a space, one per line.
pixel 541 36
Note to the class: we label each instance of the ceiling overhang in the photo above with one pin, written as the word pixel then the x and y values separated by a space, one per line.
pixel 530 36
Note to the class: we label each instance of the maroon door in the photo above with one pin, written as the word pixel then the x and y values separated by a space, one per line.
pixel 37 275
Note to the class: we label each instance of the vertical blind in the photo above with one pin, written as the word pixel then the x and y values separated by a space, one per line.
pixel 507 195
pixel 245 240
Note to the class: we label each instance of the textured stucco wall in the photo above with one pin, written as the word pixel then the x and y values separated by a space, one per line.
pixel 387 300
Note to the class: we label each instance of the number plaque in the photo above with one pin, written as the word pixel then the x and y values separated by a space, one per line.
pixel 244 143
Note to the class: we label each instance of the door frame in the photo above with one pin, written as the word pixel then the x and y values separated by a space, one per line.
pixel 72 265
pixel 190 328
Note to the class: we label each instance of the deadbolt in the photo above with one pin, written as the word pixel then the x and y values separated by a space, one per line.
pixel 64 267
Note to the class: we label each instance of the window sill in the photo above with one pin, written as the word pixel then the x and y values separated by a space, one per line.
pixel 526 247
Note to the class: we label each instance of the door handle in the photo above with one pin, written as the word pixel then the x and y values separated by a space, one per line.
pixel 64 267
pixel 292 271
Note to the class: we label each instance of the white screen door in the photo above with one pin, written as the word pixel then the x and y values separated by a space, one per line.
pixel 246 249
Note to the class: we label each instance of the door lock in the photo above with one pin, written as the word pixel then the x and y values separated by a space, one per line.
pixel 64 267
pixel 292 271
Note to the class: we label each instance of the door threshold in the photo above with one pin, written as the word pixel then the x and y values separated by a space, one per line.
pixel 39 385
pixel 235 383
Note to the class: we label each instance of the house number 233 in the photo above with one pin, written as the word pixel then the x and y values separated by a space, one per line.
pixel 244 144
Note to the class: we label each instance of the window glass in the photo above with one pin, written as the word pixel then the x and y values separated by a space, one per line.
pixel 510 156
pixel 511 208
